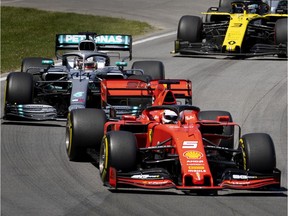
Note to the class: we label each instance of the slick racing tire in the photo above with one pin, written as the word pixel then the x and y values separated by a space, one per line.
pixel 154 69
pixel 190 29
pixel 85 129
pixel 225 5
pixel 118 150
pixel 227 130
pixel 145 78
pixel 258 153
pixel 281 34
pixel 19 88
pixel 33 65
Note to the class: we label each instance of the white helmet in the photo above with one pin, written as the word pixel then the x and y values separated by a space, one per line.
pixel 169 117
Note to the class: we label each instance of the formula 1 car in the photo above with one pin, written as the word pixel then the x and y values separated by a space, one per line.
pixel 172 145
pixel 243 29
pixel 126 97
pixel 44 91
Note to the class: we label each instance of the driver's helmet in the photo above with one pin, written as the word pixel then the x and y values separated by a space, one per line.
pixel 90 64
pixel 253 8
pixel 169 117
pixel 237 7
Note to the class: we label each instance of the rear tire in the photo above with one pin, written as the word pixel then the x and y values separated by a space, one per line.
pixel 228 130
pixel 154 69
pixel 281 34
pixel 258 153
pixel 190 29
pixel 35 63
pixel 225 5
pixel 118 150
pixel 85 129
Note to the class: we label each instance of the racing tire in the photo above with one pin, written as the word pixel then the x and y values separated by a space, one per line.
pixel 208 17
pixel 19 88
pixel 35 63
pixel 225 5
pixel 228 130
pixel 258 153
pixel 154 69
pixel 190 29
pixel 84 130
pixel 119 151
pixel 281 34
pixel 144 78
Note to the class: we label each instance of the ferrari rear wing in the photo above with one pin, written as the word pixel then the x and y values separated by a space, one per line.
pixel 108 42
pixel 134 93
pixel 138 88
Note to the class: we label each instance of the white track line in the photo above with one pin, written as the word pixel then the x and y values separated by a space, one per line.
pixel 134 43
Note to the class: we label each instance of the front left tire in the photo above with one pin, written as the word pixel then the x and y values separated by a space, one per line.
pixel 84 130
pixel 118 150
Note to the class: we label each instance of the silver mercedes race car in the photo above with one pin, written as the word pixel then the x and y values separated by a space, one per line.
pixel 44 90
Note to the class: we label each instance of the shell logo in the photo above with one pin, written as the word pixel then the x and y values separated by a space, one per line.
pixel 193 154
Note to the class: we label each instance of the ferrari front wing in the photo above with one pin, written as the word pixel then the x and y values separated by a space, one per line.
pixel 157 179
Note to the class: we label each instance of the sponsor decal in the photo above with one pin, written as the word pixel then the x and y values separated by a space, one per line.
pixel 110 39
pixel 73 39
pixel 197 171
pixel 243 177
pixel 194 164
pixel 156 182
pixel 195 167
pixel 100 39
pixel 195 161
pixel 237 24
pixel 78 94
pixel 145 176
pixel 78 100
pixel 193 155
pixel 190 144
pixel 231 42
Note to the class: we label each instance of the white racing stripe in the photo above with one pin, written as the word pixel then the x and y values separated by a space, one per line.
pixel 154 38
pixel 134 43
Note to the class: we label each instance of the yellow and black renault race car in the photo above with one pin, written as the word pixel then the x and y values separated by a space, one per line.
pixel 235 28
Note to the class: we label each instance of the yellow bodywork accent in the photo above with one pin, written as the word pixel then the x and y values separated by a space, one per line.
pixel 241 142
pixel 103 175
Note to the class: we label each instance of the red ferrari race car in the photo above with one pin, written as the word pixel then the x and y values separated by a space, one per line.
pixel 173 145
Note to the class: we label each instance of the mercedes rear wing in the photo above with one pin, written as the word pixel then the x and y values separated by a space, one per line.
pixel 103 42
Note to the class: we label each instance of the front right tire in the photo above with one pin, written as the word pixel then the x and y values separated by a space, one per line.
pixel 258 153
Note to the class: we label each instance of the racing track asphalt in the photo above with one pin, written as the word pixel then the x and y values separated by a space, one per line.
pixel 37 178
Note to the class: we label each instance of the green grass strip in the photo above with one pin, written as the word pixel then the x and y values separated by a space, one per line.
pixel 27 32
